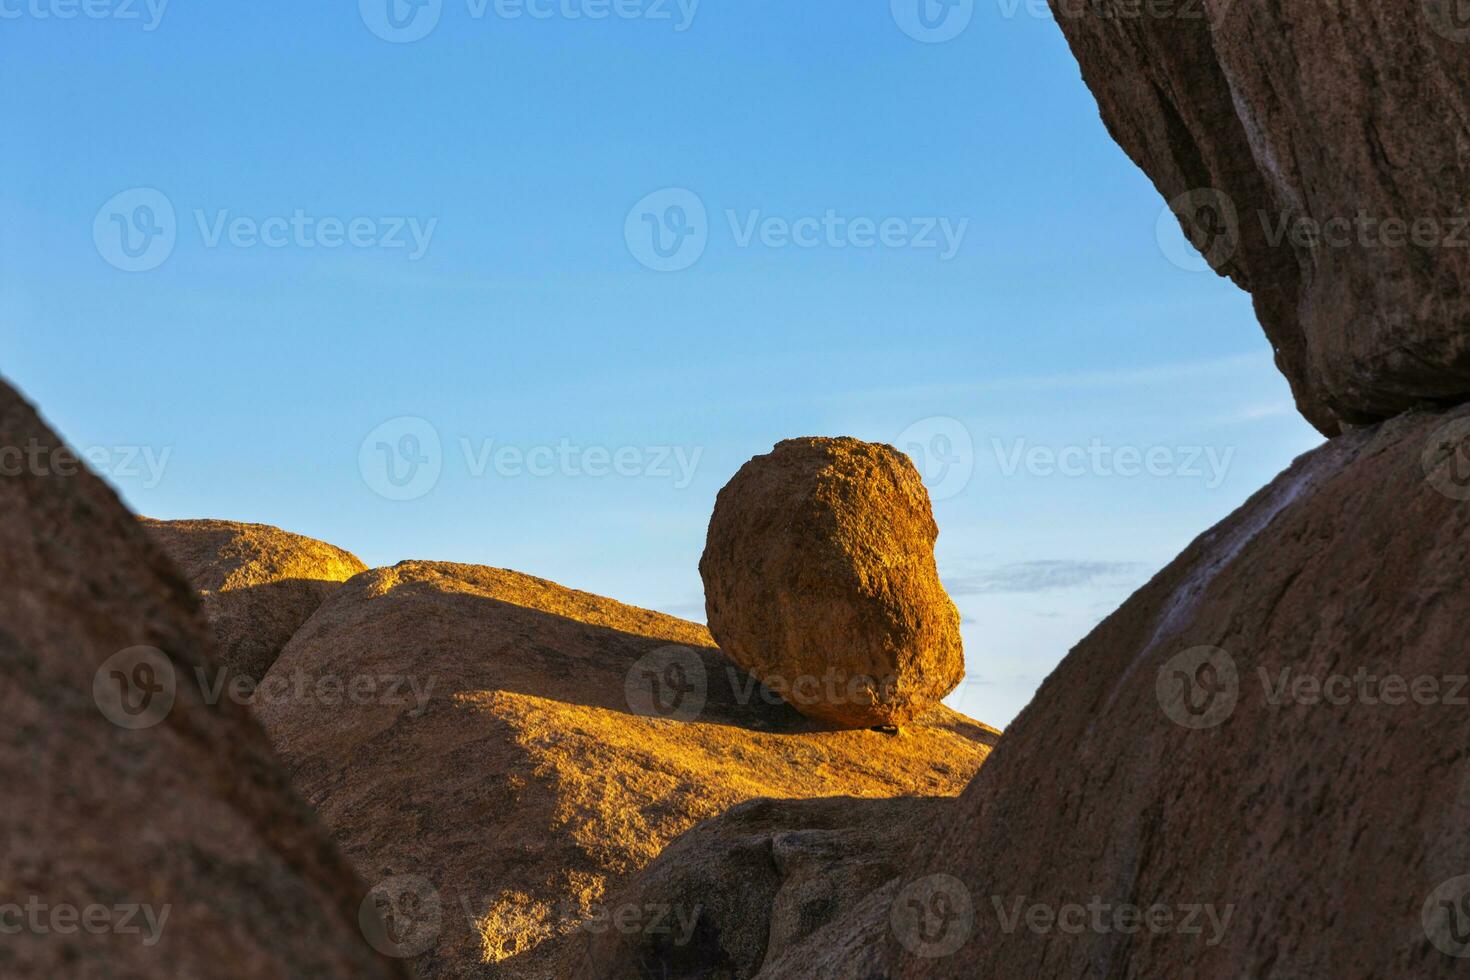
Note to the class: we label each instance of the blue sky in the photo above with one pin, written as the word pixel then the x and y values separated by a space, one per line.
pixel 338 242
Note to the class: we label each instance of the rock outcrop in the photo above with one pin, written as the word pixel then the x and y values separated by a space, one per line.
pixel 258 583
pixel 1319 154
pixel 1258 766
pixel 147 831
pixel 738 891
pixel 819 580
pixel 516 751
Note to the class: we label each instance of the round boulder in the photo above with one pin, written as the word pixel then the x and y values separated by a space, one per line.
pixel 819 580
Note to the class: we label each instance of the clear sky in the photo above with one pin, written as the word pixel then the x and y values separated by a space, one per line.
pixel 604 251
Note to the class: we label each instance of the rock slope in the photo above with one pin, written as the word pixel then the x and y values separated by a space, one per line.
pixel 1258 766
pixel 516 750
pixel 1319 154
pixel 147 832
pixel 819 579
pixel 258 583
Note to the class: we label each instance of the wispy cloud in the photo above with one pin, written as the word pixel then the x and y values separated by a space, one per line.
pixel 1132 378
pixel 1256 413
pixel 1031 577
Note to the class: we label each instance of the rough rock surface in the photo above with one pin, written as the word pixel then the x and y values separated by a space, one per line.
pixel 1275 728
pixel 258 583
pixel 819 580
pixel 1325 111
pixel 738 891
pixel 191 818
pixel 565 739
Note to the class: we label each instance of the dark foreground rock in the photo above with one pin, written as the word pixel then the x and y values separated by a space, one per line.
pixel 146 832
pixel 1261 121
pixel 258 583
pixel 508 753
pixel 738 891
pixel 1259 766
pixel 819 579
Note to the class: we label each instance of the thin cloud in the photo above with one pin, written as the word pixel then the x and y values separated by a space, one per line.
pixel 1032 577
pixel 1132 379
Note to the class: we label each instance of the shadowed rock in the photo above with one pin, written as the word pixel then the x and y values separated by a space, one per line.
pixel 258 583
pixel 819 580
pixel 736 892
pixel 1317 153
pixel 148 832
